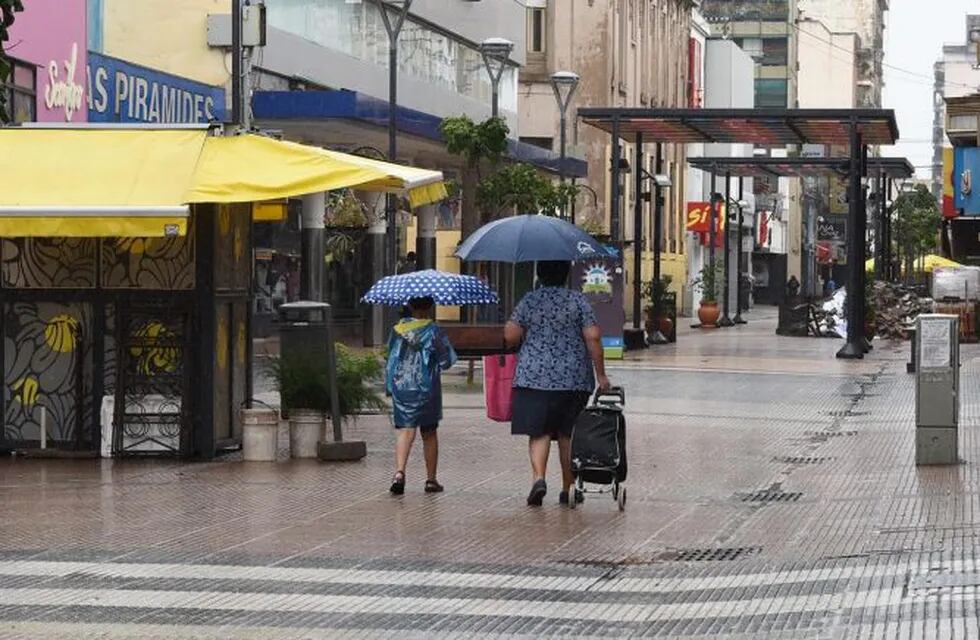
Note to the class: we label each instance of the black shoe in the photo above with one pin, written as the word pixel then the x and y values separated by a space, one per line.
pixel 563 497
pixel 398 484
pixel 431 486
pixel 538 491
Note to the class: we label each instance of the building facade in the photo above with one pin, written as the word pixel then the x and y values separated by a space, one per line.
pixel 865 19
pixel 956 75
pixel 628 53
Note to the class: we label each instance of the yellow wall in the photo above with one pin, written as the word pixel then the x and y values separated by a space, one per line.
pixel 446 243
pixel 671 264
pixel 167 36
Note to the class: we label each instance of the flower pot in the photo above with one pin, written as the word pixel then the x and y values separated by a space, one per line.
pixel 305 430
pixel 708 314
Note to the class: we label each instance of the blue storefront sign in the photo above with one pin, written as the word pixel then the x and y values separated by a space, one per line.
pixel 122 92
pixel 966 180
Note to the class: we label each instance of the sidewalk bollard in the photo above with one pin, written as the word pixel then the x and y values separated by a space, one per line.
pixel 937 386
pixel 260 434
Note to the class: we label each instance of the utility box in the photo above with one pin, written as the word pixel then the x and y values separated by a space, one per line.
pixel 937 389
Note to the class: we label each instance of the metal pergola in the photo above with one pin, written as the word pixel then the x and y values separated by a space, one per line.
pixel 884 170
pixel 857 129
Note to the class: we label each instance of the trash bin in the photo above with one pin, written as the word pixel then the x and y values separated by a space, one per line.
pixel 304 329
pixel 305 332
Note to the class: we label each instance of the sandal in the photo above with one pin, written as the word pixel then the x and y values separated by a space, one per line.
pixel 431 486
pixel 398 483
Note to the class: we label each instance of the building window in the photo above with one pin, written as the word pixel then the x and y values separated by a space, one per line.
pixel 536 36
pixel 21 92
pixel 775 52
pixel 771 93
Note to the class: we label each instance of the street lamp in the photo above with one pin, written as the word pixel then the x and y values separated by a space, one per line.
pixel 564 84
pixel 393 14
pixel 496 52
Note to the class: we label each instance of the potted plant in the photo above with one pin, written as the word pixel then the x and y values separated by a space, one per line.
pixel 707 283
pixel 303 382
pixel 657 313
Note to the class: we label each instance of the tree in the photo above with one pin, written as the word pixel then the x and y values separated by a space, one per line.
pixel 917 222
pixel 7 10
pixel 502 187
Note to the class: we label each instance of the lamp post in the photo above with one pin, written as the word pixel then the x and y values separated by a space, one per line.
pixel 564 84
pixel 495 53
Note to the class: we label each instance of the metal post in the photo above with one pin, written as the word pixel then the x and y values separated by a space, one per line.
pixel 335 418
pixel 887 221
pixel 725 320
pixel 854 347
pixel 863 235
pixel 614 230
pixel 713 228
pixel 658 217
pixel 637 231
pixel 312 247
pixel 738 257
pixel 880 230
pixel 236 62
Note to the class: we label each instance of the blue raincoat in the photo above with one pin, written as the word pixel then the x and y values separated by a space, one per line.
pixel 418 351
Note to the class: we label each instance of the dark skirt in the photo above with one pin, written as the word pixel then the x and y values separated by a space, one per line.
pixel 537 412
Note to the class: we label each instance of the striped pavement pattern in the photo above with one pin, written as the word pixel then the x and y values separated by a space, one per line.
pixel 118 599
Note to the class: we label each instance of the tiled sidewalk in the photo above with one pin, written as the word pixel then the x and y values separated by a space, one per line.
pixel 772 500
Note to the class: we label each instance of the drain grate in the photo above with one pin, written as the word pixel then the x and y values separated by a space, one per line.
pixel 725 554
pixel 801 459
pixel 823 435
pixel 770 495
pixel 847 413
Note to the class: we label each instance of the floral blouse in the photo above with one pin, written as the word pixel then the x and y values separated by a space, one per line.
pixel 554 356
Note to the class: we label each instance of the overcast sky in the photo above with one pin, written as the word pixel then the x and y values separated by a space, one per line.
pixel 915 33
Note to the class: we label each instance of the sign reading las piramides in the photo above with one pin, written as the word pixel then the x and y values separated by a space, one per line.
pixel 122 92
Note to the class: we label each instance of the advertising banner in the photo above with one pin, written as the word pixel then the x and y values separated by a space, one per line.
pixel 602 283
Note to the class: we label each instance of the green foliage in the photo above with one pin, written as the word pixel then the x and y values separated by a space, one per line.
pixel 344 210
pixel 917 221
pixel 486 141
pixel 708 280
pixel 520 187
pixel 7 10
pixel 303 382
pixel 656 292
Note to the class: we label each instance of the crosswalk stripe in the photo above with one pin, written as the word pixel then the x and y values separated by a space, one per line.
pixel 530 582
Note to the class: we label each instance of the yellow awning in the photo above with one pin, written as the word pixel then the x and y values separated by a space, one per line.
pixel 138 182
pixel 929 263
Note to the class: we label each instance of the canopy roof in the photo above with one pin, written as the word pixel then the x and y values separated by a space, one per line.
pixel 747 167
pixel 139 182
pixel 766 127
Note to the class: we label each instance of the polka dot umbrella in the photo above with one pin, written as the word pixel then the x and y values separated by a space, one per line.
pixel 445 288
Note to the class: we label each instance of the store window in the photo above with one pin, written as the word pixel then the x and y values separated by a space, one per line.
pixel 21 92
pixel 536 35
pixel 771 92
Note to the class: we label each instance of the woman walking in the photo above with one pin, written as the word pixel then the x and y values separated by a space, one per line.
pixel 559 365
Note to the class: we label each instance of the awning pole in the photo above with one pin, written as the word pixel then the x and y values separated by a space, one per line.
pixel 854 347
pixel 726 320
pixel 637 232
pixel 738 256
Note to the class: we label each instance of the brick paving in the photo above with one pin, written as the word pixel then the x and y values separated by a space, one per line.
pixel 772 495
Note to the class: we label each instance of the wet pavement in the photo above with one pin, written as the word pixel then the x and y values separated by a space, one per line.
pixel 772 494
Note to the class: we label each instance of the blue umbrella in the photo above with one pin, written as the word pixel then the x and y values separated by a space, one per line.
pixel 444 288
pixel 530 238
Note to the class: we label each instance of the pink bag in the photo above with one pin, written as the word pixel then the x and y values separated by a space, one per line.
pixel 498 390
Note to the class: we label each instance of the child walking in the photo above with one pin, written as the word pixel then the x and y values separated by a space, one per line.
pixel 418 352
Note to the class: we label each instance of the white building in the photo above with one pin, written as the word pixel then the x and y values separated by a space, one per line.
pixel 957 75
